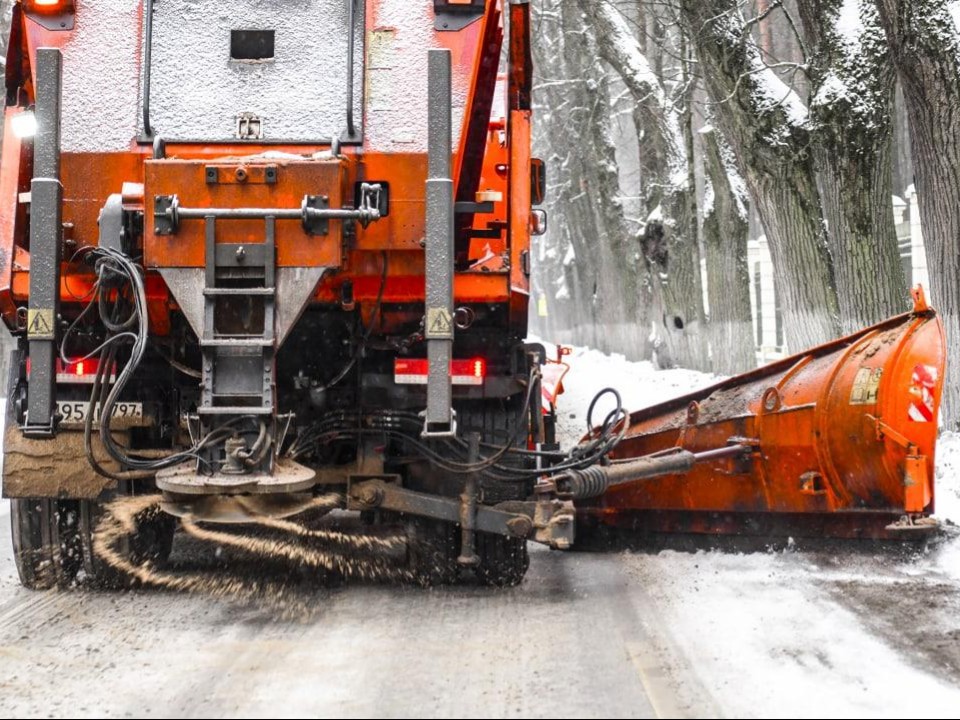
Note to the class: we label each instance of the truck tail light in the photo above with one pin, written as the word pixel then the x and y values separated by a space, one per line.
pixel 82 372
pixel 51 14
pixel 462 372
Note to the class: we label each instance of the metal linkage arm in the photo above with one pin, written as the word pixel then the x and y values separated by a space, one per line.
pixel 313 213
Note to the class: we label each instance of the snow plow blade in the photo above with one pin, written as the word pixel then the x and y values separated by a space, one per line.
pixel 838 441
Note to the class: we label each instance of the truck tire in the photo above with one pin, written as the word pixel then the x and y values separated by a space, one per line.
pixel 435 544
pixel 46 543
pixel 497 422
pixel 503 560
pixel 434 547
pixel 150 545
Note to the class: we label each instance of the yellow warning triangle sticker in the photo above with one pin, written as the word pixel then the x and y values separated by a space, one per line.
pixel 439 322
pixel 39 322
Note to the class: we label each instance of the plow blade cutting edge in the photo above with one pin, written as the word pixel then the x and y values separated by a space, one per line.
pixel 838 441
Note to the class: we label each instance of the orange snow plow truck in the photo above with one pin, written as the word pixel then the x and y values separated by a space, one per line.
pixel 253 254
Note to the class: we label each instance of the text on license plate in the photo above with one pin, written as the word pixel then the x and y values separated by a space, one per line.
pixel 75 412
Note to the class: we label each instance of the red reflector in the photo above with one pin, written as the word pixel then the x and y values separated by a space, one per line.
pixel 462 372
pixel 81 371
pixel 49 10
pixel 47 6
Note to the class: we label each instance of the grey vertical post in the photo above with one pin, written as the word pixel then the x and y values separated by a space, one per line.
pixel 46 196
pixel 468 506
pixel 438 324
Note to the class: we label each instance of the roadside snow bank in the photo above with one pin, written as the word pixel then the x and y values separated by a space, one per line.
pixel 640 385
pixel 948 477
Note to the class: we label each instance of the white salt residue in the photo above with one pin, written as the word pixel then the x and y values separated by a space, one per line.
pixel 197 91
pixel 400 33
pixel 101 77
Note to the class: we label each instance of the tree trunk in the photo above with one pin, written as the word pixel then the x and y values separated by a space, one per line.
pixel 852 133
pixel 669 242
pixel 902 153
pixel 926 48
pixel 765 124
pixel 765 28
pixel 725 229
pixel 584 203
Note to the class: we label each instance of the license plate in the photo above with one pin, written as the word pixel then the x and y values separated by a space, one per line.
pixel 73 413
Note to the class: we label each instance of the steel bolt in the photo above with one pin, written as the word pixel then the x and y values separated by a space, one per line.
pixel 368 495
pixel 520 526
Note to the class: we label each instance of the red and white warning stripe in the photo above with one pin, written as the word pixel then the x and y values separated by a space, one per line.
pixel 923 382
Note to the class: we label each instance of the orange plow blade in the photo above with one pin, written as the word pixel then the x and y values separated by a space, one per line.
pixel 839 442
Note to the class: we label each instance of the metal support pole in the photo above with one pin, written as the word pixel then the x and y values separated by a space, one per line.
pixel 438 325
pixel 468 507
pixel 46 201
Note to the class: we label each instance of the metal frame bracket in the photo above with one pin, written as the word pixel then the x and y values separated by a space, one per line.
pixel 452 16
pixel 166 215
pixel 315 224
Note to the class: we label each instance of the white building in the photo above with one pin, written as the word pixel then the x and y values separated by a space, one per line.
pixel 767 320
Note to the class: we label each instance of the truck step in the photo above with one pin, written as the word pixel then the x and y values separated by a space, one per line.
pixel 238 342
pixel 234 410
pixel 217 291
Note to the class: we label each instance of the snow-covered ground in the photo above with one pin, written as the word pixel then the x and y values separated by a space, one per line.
pixel 845 631
pixel 638 383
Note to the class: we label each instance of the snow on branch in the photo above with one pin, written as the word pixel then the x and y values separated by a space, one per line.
pixel 621 49
pixel 853 84
pixel 741 78
pixel 721 165
pixel 773 92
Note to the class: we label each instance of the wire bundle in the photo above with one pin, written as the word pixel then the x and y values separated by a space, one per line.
pixel 450 455
pixel 120 297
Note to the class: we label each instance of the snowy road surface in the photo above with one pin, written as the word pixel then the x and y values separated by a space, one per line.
pixel 836 631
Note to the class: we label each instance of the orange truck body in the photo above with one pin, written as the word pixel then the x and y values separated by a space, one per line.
pixel 492 155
